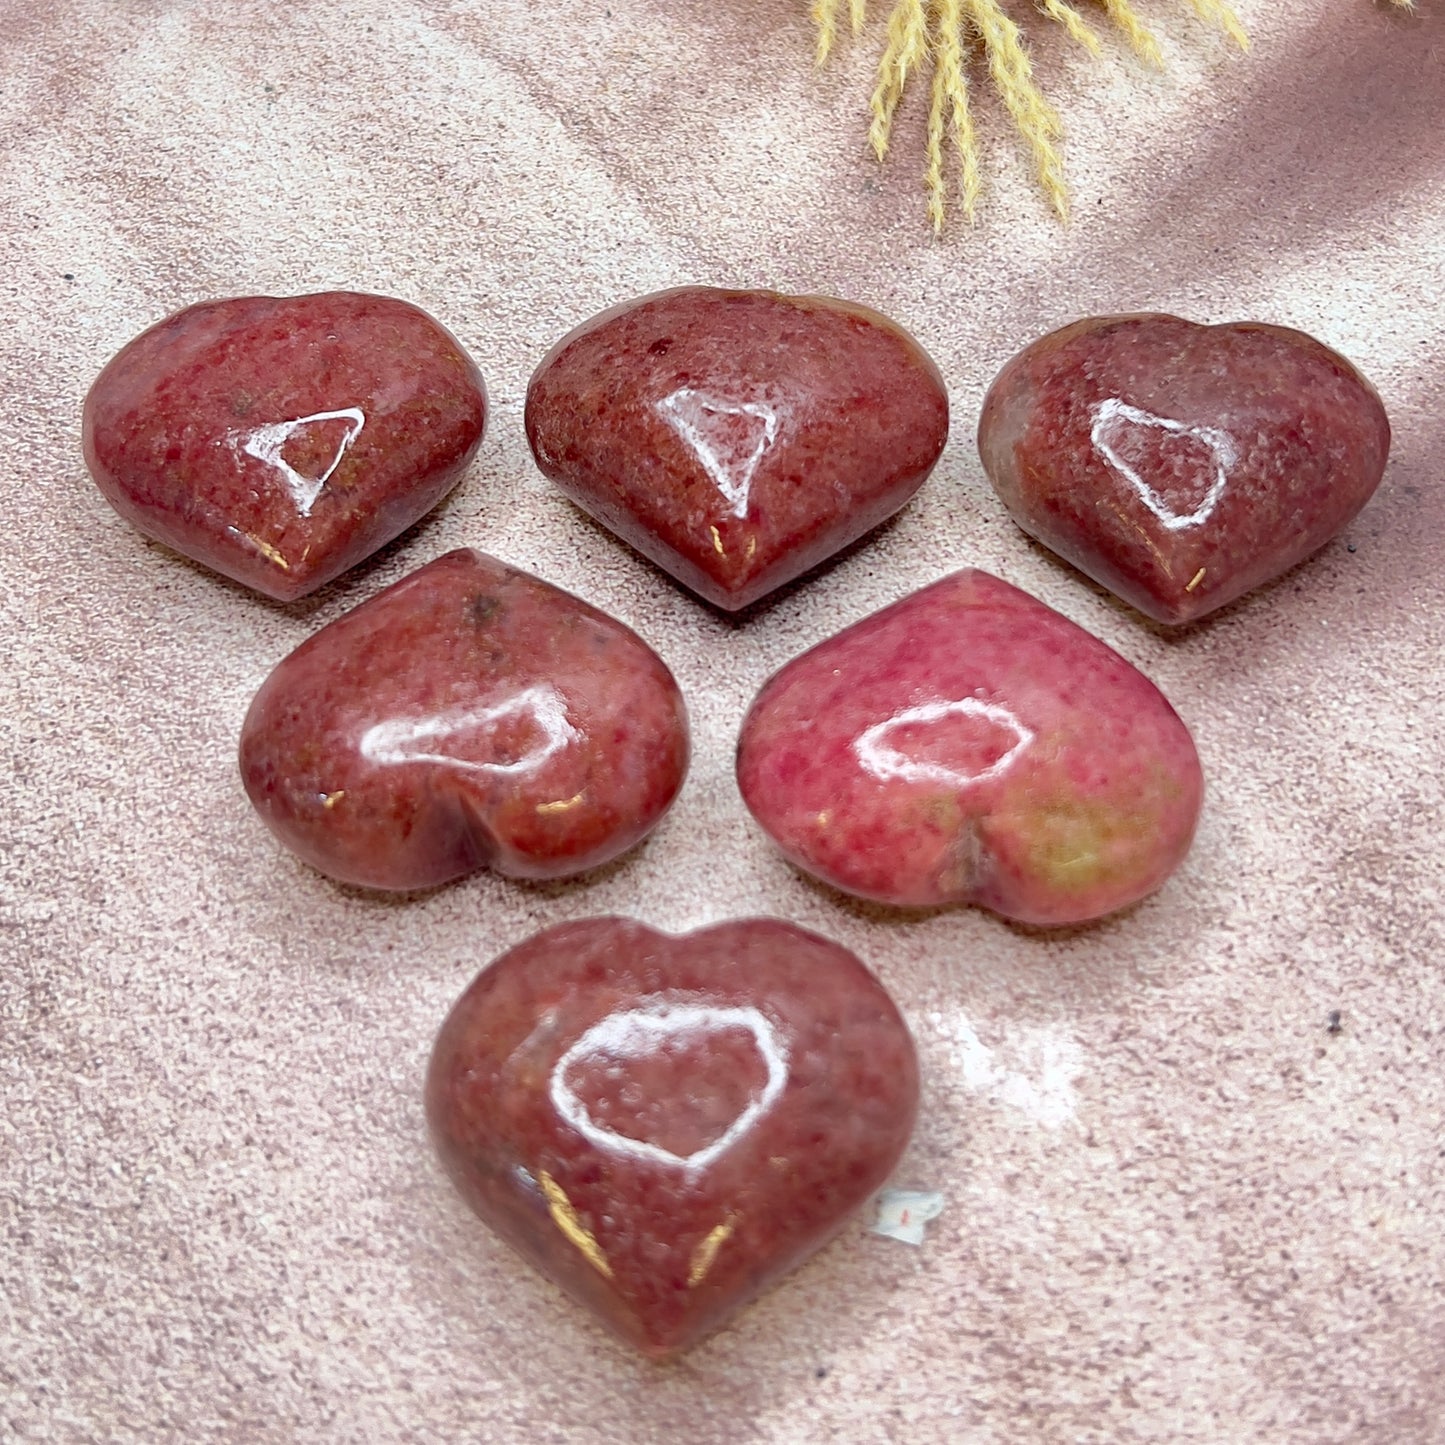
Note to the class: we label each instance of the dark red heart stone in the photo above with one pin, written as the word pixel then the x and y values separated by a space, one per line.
pixel 279 441
pixel 1182 465
pixel 665 1125
pixel 471 715
pixel 737 438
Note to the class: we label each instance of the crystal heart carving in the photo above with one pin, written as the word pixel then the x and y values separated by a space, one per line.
pixel 470 715
pixel 665 1125
pixel 737 438
pixel 1182 465
pixel 280 441
pixel 968 744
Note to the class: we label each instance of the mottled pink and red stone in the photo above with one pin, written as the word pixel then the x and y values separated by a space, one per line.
pixel 1182 465
pixel 280 441
pixel 737 438
pixel 665 1125
pixel 970 745
pixel 470 715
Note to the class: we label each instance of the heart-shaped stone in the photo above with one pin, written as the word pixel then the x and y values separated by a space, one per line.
pixel 280 441
pixel 470 714
pixel 1182 465
pixel 665 1125
pixel 970 745
pixel 737 438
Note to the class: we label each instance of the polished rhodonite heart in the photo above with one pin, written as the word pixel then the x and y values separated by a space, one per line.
pixel 665 1125
pixel 1182 465
pixel 970 745
pixel 737 438
pixel 280 441
pixel 470 715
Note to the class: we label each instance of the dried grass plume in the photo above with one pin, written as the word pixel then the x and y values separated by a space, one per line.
pixel 953 37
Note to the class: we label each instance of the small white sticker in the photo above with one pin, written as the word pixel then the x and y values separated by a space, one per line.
pixel 902 1213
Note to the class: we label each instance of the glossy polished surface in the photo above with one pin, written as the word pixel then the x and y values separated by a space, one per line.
pixel 470 715
pixel 280 441
pixel 737 438
pixel 1182 465
pixel 217 1214
pixel 970 745
pixel 664 1125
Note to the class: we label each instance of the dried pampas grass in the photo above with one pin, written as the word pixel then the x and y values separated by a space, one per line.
pixel 953 36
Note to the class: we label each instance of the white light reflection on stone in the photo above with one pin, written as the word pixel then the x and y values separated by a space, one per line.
pixel 706 423
pixel 1048 1063
pixel 415 740
pixel 885 762
pixel 1113 422
pixel 266 443
pixel 636 1033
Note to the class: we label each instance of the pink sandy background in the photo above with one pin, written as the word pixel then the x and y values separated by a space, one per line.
pixel 1178 1208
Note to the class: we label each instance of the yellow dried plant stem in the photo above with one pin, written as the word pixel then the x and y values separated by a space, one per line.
pixel 1037 121
pixel 1217 13
pixel 943 31
pixel 950 102
pixel 933 174
pixel 825 17
pixel 1074 23
pixel 906 46
pixel 1123 14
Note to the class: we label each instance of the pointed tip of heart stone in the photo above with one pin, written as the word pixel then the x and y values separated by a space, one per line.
pixel 664 1125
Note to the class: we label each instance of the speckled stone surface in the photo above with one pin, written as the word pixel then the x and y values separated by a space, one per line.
pixel 968 744
pixel 1190 1159
pixel 665 1125
pixel 282 440
pixel 737 438
pixel 1182 465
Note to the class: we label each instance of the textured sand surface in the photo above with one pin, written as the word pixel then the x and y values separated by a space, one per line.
pixel 1178 1207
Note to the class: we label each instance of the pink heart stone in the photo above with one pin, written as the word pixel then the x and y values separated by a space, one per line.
pixel 970 745
pixel 737 438
pixel 281 441
pixel 1182 465
pixel 469 715
pixel 665 1125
